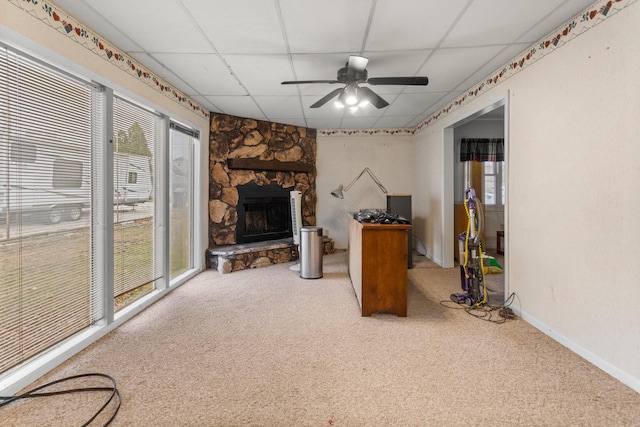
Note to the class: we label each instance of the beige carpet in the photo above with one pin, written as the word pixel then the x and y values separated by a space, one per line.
pixel 265 348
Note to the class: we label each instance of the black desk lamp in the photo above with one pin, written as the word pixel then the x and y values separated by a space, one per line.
pixel 338 192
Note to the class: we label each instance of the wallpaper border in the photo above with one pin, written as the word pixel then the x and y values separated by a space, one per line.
pixel 56 18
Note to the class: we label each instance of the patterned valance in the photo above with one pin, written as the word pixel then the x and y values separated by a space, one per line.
pixel 482 150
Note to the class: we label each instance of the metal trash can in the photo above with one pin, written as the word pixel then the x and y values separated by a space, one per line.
pixel 311 251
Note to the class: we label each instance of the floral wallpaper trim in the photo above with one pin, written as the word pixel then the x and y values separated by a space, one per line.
pixel 51 15
pixel 583 22
pixel 365 132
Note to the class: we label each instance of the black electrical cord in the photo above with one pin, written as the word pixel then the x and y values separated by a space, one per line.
pixel 485 312
pixel 415 236
pixel 34 393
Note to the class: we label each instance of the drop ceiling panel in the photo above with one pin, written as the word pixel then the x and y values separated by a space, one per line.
pixel 394 121
pixel 241 106
pixel 504 57
pixel 418 24
pixel 248 26
pixel 206 103
pixel 414 122
pixel 442 101
pixel 155 25
pixel 446 68
pixel 298 121
pixel 324 123
pixel 488 22
pixel 566 10
pixel 207 73
pixel 262 74
pixel 355 122
pixel 325 26
pixel 396 63
pixel 170 77
pixel 91 18
pixel 411 104
pixel 279 106
pixel 369 111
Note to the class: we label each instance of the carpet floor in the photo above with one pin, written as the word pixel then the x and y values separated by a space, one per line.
pixel 264 347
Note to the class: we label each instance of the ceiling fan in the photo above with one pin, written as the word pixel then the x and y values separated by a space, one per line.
pixel 352 75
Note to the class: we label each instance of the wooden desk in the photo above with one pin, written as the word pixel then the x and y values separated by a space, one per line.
pixel 378 257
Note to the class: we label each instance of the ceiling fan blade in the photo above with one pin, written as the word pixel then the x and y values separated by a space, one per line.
pixel 326 98
pixel 357 63
pixel 302 82
pixel 373 97
pixel 414 81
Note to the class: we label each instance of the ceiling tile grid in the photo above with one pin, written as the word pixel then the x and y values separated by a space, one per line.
pixel 232 56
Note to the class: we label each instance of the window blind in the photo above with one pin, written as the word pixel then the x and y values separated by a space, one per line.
pixel 46 136
pixel 137 137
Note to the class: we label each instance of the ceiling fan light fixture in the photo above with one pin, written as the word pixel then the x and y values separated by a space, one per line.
pixel 350 95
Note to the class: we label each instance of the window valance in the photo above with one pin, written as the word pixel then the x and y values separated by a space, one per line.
pixel 482 149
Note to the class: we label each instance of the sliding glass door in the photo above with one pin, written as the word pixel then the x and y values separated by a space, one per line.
pixel 136 134
pixel 181 147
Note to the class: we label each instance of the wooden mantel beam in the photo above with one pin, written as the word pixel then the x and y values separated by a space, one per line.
pixel 268 165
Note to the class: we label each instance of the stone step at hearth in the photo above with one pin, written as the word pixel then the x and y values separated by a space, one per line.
pixel 230 258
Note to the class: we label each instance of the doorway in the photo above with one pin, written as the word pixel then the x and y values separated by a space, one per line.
pixel 489 179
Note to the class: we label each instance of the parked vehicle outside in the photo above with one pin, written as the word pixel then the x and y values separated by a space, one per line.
pixel 35 181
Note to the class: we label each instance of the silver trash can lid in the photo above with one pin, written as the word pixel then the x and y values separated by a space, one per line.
pixel 310 229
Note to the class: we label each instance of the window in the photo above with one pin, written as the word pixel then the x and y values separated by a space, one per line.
pixel 23 152
pixel 67 174
pixel 64 275
pixel 136 268
pixel 494 185
pixel 46 291
pixel 181 148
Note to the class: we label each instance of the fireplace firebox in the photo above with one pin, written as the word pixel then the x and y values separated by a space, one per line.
pixel 264 213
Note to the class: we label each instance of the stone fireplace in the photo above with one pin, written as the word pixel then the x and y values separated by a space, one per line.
pixel 262 158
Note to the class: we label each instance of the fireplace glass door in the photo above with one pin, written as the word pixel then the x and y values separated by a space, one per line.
pixel 264 214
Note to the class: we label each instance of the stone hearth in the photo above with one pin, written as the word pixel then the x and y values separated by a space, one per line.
pixel 230 258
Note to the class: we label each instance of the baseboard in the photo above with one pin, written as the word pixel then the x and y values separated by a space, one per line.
pixel 617 373
pixel 424 254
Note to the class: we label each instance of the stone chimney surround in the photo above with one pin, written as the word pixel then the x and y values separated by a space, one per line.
pixel 243 151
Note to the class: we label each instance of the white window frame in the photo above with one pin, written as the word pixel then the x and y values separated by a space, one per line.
pixel 102 221
pixel 498 168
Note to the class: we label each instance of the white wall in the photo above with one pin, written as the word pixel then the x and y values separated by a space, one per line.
pixel 571 225
pixel 341 158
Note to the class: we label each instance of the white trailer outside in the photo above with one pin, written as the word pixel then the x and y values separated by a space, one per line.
pixel 132 179
pixel 37 181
